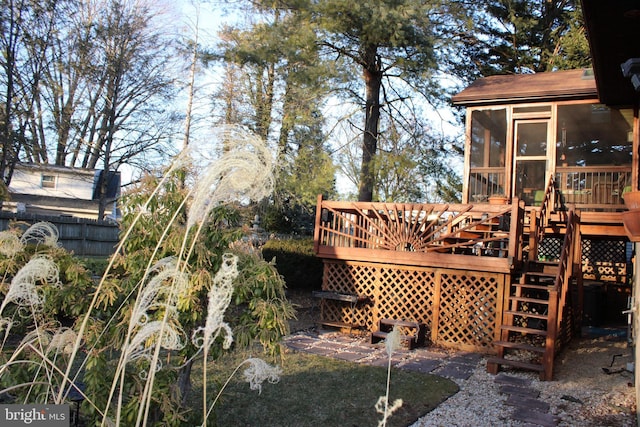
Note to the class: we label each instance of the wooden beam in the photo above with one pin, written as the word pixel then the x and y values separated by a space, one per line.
pixel 419 259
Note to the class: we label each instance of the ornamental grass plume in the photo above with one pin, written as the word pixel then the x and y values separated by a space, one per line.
pixel 383 407
pixel 142 343
pixel 10 243
pixel 260 371
pixel 23 290
pixel 43 233
pixel 219 298
pixel 244 172
pixel 62 341
pixel 391 344
pixel 39 335
pixel 158 292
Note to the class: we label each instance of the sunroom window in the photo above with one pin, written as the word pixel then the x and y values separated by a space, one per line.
pixel 487 155
pixel 594 146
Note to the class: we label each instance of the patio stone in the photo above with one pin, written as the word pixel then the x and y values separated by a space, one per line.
pixel 321 351
pixel 534 417
pixel 384 361
pixel 300 342
pixel 520 391
pixel 527 403
pixel 348 356
pixel 456 370
pixel 466 358
pixel 420 365
pixel 502 378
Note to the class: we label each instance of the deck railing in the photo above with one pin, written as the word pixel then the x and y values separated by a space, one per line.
pixel 592 188
pixel 588 188
pixel 472 236
pixel 484 183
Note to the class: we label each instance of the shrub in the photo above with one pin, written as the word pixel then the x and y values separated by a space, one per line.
pixel 295 261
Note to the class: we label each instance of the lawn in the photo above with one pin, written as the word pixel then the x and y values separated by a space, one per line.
pixel 320 391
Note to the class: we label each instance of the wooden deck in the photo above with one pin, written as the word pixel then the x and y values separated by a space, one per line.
pixel 477 237
pixel 455 269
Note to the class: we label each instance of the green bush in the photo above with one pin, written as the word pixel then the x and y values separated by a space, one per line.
pixel 295 261
pixel 96 265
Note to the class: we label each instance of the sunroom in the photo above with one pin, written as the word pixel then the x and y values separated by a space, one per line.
pixel 522 130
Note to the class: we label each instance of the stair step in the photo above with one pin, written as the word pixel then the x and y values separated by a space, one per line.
pixel 515 363
pixel 531 300
pixel 395 322
pixel 533 286
pixel 337 296
pixel 519 346
pixel 524 330
pixel 545 263
pixel 377 336
pixel 340 325
pixel 546 281
pixel 541 274
pixel 527 314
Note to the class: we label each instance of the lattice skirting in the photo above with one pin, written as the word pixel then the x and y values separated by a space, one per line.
pixel 603 260
pixel 460 309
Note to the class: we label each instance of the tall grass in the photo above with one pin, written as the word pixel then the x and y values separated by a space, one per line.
pixel 157 308
pixel 391 344
pixel 151 321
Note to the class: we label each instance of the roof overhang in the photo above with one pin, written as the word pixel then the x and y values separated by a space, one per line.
pixel 613 30
pixel 520 88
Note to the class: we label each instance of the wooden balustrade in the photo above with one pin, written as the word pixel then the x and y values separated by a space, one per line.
pixel 592 188
pixel 588 188
pixel 472 236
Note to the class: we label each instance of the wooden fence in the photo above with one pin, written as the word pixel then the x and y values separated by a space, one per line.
pixel 82 236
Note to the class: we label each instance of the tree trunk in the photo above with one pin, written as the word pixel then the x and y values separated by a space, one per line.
pixel 373 82
pixel 184 382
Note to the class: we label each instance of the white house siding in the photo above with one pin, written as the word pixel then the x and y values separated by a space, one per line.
pixel 70 183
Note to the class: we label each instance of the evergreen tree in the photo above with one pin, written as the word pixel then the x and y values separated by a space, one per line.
pixel 518 36
pixel 276 86
pixel 387 42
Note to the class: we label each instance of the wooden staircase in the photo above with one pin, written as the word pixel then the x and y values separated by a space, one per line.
pixel 527 333
pixel 532 321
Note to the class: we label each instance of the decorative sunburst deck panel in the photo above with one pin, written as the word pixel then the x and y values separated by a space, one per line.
pixel 486 236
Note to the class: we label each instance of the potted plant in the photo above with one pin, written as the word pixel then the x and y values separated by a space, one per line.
pixel 498 199
pixel 631 218
pixel 631 198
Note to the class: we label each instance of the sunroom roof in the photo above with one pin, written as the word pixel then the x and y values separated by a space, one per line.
pixel 518 88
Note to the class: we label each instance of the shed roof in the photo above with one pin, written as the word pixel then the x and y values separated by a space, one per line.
pixel 517 88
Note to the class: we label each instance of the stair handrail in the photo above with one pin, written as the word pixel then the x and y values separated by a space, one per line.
pixel 565 266
pixel 558 294
pixel 543 217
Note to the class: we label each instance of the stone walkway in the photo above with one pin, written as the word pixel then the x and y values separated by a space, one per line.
pixel 522 401
pixel 358 349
